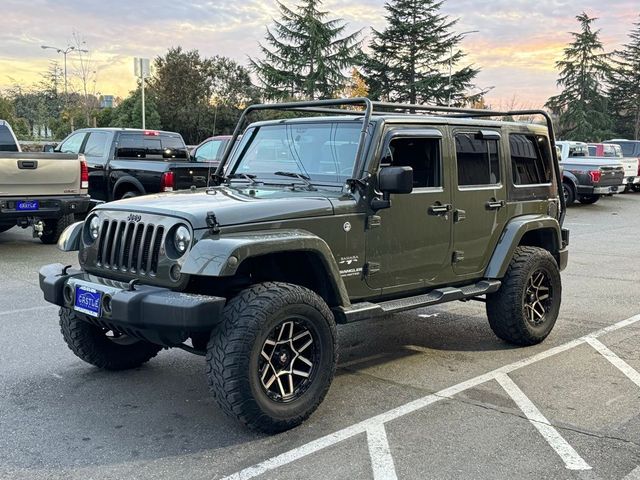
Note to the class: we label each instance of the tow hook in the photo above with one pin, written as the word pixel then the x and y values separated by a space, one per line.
pixel 38 228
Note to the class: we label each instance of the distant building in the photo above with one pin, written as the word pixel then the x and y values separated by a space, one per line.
pixel 107 101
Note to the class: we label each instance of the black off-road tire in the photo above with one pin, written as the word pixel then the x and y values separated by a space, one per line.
pixel 91 344
pixel 234 352
pixel 506 309
pixel 130 194
pixel 589 199
pixel 569 193
pixel 54 228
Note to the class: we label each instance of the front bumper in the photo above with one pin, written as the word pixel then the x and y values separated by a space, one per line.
pixel 49 207
pixel 156 314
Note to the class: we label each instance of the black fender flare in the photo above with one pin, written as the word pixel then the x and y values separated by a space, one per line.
pixel 128 179
pixel 511 237
pixel 222 256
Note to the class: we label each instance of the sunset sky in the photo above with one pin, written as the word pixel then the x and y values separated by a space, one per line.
pixel 518 42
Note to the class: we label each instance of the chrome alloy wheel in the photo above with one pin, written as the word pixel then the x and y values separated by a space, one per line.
pixel 288 361
pixel 538 297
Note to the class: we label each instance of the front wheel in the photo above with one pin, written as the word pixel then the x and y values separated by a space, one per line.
pixel 102 347
pixel 589 199
pixel 525 309
pixel 272 359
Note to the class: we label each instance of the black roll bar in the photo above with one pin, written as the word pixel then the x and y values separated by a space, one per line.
pixel 372 107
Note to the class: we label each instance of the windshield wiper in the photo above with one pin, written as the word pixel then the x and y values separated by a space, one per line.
pixel 246 176
pixel 302 177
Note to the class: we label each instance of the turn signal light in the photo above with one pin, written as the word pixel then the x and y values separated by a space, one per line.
pixel 84 174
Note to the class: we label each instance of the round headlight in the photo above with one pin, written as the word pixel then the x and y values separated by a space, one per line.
pixel 182 239
pixel 94 228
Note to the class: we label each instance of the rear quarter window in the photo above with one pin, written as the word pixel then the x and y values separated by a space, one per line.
pixel 530 159
pixel 151 147
pixel 7 142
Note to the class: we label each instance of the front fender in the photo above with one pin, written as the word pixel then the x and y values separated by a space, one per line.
pixel 221 257
pixel 69 240
pixel 511 237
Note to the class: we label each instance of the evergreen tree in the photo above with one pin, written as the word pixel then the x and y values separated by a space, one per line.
pixel 306 54
pixel 411 58
pixel 582 105
pixel 624 93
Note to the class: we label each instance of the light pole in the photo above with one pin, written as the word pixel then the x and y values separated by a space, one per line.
pixel 449 86
pixel 64 52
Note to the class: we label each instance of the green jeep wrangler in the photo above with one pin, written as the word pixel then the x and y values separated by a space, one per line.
pixel 353 210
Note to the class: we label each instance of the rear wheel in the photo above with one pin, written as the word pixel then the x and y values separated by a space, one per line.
pixel 569 193
pixel 525 309
pixel 589 199
pixel 104 348
pixel 130 194
pixel 54 228
pixel 272 359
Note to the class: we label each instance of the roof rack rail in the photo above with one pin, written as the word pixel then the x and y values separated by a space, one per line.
pixel 376 107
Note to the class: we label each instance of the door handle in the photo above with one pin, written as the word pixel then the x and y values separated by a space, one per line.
pixel 439 210
pixel 27 164
pixel 494 204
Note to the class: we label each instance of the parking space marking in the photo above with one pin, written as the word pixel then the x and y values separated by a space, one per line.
pixel 380 453
pixel 30 309
pixel 569 456
pixel 361 427
pixel 631 373
pixel 633 475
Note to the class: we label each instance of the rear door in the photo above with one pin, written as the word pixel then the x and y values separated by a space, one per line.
pixel 96 151
pixel 479 199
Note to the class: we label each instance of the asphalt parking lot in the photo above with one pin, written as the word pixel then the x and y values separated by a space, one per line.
pixel 425 394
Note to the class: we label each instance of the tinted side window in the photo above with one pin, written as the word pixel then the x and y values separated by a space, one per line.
pixel 7 143
pixel 627 149
pixel 592 151
pixel 477 159
pixel 73 143
pixel 530 161
pixel 96 145
pixel 421 154
pixel 173 147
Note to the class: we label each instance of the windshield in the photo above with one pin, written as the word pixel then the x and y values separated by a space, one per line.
pixel 323 152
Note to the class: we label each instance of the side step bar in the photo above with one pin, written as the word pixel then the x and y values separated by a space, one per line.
pixel 365 310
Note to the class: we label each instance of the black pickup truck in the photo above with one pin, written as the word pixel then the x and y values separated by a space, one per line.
pixel 126 162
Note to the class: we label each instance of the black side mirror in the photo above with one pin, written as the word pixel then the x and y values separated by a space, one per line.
pixel 48 149
pixel 396 180
pixel 392 180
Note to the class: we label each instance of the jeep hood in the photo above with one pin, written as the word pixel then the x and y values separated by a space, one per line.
pixel 231 206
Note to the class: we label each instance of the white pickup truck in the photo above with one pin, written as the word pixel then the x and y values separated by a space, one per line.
pixel 40 190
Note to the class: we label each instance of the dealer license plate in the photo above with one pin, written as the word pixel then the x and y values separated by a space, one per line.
pixel 88 300
pixel 27 205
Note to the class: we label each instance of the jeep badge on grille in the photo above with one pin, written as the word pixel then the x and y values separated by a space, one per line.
pixel 134 218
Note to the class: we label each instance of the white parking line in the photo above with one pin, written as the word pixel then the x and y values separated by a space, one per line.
pixel 615 360
pixel 569 456
pixel 633 475
pixel 30 309
pixel 361 427
pixel 380 453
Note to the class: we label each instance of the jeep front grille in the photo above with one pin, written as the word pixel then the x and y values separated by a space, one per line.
pixel 132 247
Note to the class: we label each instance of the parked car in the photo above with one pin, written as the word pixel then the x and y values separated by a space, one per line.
pixel 8 140
pixel 40 190
pixel 125 162
pixel 631 165
pixel 317 221
pixel 585 178
pixel 630 152
pixel 211 149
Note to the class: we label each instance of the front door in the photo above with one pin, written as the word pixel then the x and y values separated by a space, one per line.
pixel 479 200
pixel 409 244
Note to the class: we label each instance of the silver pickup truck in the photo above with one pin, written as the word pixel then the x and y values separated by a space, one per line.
pixel 40 190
